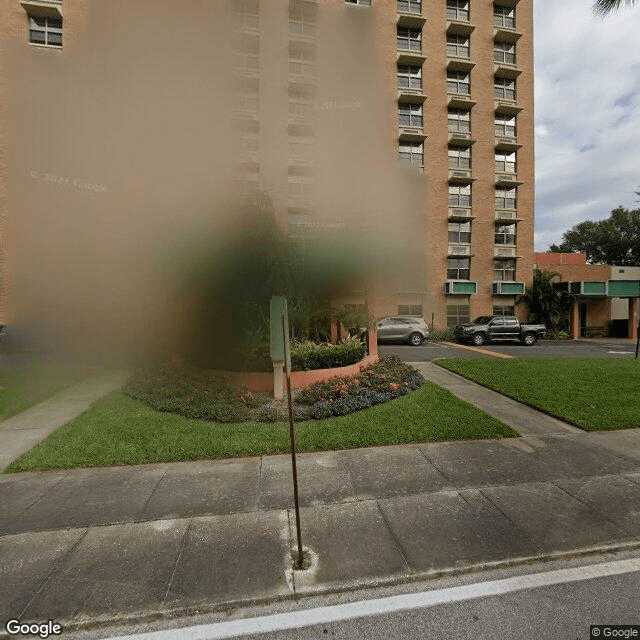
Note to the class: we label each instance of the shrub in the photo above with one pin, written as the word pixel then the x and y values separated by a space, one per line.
pixel 320 410
pixel 268 414
pixel 300 413
pixel 441 335
pixel 557 335
pixel 307 355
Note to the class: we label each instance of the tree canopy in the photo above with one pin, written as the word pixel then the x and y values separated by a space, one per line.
pixel 615 240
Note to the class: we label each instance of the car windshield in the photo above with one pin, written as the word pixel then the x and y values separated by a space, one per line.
pixel 482 320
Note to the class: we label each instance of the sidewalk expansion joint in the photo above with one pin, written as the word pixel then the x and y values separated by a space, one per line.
pixel 393 536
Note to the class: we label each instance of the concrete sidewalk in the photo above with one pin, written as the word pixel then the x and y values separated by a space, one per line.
pixel 22 432
pixel 117 544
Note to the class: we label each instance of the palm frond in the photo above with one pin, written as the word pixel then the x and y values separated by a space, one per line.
pixel 605 7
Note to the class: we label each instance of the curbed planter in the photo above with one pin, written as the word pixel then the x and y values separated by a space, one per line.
pixel 256 381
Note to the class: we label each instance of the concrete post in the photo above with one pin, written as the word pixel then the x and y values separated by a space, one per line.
pixel 372 340
pixel 278 379
pixel 633 318
pixel 334 331
pixel 574 319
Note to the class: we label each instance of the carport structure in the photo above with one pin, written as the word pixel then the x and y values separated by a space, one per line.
pixel 591 305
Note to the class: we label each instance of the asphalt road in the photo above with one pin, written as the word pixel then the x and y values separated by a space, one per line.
pixel 542 349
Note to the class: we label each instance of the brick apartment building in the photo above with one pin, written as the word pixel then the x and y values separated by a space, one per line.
pixel 453 78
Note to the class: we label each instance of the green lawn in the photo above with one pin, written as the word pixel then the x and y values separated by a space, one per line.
pixel 120 430
pixel 592 393
pixel 23 387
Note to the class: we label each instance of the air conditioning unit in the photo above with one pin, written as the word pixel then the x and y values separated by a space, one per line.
pixel 508 288
pixel 505 252
pixel 459 250
pixel 505 214
pixel 460 287
pixel 460 213
pixel 461 174
pixel 506 177
pixel 507 140
pixel 461 136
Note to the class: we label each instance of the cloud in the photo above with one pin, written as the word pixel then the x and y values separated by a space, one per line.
pixel 587 78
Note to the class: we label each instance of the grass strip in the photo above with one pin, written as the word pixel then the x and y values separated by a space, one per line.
pixel 24 387
pixel 120 430
pixel 595 394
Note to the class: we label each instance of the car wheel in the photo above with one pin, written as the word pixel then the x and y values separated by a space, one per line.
pixel 415 339
pixel 529 339
pixel 479 339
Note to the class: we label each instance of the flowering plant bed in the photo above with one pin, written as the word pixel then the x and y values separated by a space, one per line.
pixel 195 393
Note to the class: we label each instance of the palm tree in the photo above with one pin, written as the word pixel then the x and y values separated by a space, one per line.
pixel 605 7
pixel 547 303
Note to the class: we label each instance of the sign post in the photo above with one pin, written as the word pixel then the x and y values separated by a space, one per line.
pixel 281 355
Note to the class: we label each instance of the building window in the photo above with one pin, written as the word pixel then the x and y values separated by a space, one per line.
pixel 506 234
pixel 506 198
pixel 458 46
pixel 457 314
pixel 362 3
pixel 458 268
pixel 459 120
pixel 410 114
pixel 458 10
pixel 504 310
pixel 301 186
pixel 247 183
pixel 504 16
pixel 46 31
pixel 247 14
pixel 458 82
pixel 459 195
pixel 248 143
pixel 301 147
pixel 247 54
pixel 410 310
pixel 409 77
pixel 409 39
pixel 505 161
pixel 302 62
pixel 302 19
pixel 504 52
pixel 504 88
pixel 459 157
pixel 460 232
pixel 410 6
pixel 247 98
pixel 504 270
pixel 506 126
pixel 412 153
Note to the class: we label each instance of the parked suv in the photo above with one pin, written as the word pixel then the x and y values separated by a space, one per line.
pixel 411 329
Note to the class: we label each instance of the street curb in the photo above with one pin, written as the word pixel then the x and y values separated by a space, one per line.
pixel 203 608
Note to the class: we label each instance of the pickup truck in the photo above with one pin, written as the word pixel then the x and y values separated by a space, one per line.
pixel 490 328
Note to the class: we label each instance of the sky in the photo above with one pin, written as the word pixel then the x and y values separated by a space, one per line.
pixel 587 114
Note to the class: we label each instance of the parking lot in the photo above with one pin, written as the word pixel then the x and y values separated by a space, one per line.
pixel 597 348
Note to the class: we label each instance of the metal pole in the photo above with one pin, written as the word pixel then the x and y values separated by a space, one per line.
pixel 292 435
pixel 637 338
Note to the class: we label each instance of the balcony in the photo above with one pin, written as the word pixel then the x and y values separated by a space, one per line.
pixel 43 9
pixel 506 34
pixel 460 101
pixel 460 287
pixel 460 214
pixel 411 19
pixel 459 28
pixel 461 138
pixel 506 70
pixel 412 134
pixel 505 288
pixel 506 107
pixel 507 143
pixel 460 176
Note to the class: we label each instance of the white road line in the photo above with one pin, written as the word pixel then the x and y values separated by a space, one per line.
pixel 336 613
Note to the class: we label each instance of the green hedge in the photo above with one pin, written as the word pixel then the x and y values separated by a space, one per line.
pixel 308 355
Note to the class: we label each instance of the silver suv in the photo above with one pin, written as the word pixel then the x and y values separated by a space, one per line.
pixel 411 329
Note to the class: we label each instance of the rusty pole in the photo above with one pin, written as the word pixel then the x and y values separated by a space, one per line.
pixel 292 435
